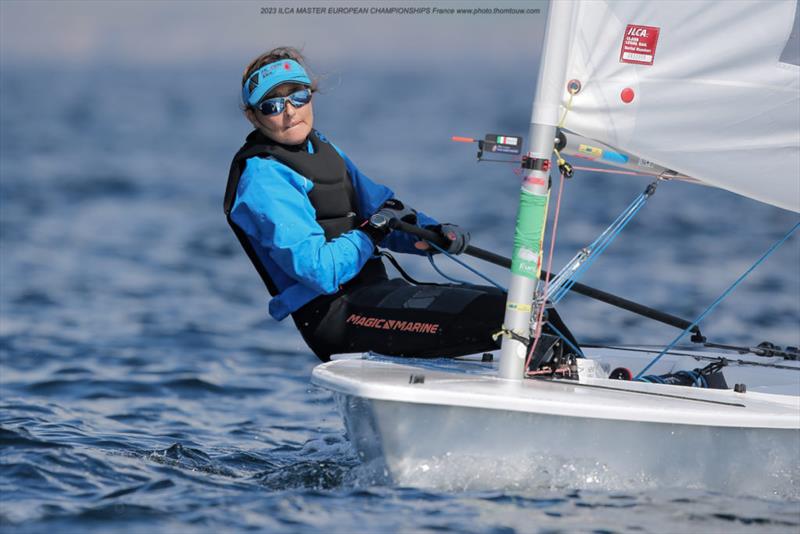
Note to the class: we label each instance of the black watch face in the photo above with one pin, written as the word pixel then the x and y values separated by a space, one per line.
pixel 378 220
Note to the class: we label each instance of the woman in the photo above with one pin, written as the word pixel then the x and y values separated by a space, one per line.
pixel 311 223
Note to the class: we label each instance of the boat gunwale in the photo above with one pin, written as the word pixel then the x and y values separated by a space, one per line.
pixel 740 410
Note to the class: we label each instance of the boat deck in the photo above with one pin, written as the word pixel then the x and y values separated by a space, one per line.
pixel 472 383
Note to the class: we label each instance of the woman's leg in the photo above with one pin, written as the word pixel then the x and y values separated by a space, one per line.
pixel 396 318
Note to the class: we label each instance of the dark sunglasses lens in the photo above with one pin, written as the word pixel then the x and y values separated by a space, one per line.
pixel 273 106
pixel 300 98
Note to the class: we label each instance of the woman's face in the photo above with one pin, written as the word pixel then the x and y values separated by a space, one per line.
pixel 292 125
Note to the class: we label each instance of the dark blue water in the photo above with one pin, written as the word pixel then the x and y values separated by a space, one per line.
pixel 144 388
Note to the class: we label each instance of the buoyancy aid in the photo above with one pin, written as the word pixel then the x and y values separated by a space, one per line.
pixel 333 195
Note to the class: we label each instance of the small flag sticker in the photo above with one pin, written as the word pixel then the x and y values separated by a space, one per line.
pixel 507 144
pixel 503 140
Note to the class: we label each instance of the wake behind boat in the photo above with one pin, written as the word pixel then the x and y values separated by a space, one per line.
pixel 669 90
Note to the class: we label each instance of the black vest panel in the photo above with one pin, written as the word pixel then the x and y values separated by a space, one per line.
pixel 333 196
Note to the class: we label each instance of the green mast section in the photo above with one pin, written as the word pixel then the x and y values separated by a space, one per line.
pixel 529 235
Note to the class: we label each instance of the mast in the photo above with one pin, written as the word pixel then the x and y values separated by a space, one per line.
pixel 534 194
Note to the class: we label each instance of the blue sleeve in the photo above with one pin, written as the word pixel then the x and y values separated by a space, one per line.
pixel 273 208
pixel 371 197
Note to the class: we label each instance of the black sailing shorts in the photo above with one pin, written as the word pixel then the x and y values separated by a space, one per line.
pixel 396 318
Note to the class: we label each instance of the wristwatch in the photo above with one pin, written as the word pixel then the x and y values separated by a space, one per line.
pixel 379 221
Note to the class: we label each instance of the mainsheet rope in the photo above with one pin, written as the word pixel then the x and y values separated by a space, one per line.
pixel 464 265
pixel 443 275
pixel 719 299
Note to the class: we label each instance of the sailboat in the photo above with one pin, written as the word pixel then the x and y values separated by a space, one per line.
pixel 702 91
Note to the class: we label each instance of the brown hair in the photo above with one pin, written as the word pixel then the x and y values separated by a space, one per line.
pixel 276 54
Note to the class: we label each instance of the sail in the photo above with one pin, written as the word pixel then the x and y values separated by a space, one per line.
pixel 708 89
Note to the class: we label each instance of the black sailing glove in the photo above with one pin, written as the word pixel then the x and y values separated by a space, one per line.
pixel 394 209
pixel 457 236
pixel 377 226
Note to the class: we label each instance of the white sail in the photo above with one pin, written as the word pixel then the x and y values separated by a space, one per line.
pixel 713 89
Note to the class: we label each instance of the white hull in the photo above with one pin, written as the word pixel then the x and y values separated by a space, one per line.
pixel 473 431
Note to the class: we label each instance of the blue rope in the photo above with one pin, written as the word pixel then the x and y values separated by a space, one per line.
pixel 698 380
pixel 603 239
pixel 618 219
pixel 467 267
pixel 722 297
pixel 441 273
pixel 653 379
pixel 621 221
pixel 637 205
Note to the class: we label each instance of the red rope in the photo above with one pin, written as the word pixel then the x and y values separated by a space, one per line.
pixel 540 312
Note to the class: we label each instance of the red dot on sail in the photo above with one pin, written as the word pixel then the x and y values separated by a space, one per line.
pixel 627 95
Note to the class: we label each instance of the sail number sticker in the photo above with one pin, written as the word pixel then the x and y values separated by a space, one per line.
pixel 639 45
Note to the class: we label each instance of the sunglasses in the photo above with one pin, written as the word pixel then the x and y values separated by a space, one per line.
pixel 274 106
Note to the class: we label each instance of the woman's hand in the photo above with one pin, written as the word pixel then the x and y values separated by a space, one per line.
pixel 394 209
pixel 457 237
pixel 378 226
